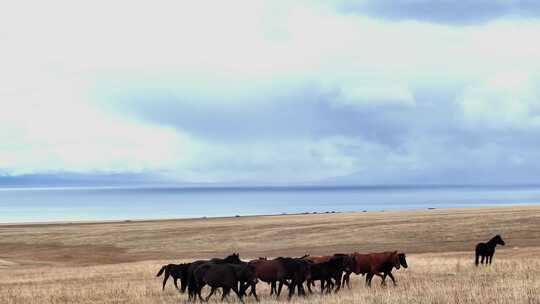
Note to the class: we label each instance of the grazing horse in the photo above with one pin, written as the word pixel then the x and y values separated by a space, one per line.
pixel 188 273
pixel 175 271
pixel 487 250
pixel 226 276
pixel 374 263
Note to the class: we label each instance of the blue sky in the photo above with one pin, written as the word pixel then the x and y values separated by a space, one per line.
pixel 363 92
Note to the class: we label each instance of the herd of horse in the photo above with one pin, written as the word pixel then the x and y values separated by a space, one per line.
pixel 332 271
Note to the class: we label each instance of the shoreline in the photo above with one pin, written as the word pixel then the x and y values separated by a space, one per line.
pixel 252 216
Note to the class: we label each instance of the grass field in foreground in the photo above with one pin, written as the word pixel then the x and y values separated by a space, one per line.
pixel 431 278
pixel 117 262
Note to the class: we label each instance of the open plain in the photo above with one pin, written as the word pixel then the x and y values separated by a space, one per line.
pixel 117 262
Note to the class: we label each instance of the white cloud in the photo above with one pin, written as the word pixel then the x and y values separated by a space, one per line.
pixel 65 65
pixel 507 99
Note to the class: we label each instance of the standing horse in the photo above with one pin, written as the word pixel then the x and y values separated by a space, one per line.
pixel 487 250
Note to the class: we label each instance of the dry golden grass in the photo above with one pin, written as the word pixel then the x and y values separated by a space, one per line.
pixel 431 278
pixel 412 231
pixel 117 262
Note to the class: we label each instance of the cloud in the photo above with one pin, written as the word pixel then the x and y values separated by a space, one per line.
pixel 444 11
pixel 264 91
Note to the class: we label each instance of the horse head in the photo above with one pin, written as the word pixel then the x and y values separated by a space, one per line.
pixel 402 260
pixel 233 259
pixel 499 240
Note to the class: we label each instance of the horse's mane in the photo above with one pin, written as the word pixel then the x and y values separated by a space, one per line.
pixel 495 239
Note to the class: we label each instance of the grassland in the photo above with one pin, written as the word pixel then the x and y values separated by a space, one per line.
pixel 117 262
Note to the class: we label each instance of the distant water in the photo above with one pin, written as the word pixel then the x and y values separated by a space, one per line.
pixel 63 204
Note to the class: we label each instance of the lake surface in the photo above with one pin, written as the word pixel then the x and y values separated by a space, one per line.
pixel 74 204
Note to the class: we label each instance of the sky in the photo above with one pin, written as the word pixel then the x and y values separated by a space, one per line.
pixel 277 92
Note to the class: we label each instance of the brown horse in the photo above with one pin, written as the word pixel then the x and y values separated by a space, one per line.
pixel 226 276
pixel 375 263
pixel 188 273
pixel 269 271
pixel 388 267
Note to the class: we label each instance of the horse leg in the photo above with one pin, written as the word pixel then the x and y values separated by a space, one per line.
pixel 235 289
pixel 210 294
pixel 243 288
pixel 329 285
pixel 338 282
pixel 291 290
pixel 165 279
pixel 346 279
pixel 490 259
pixel 309 283
pixel 301 290
pixel 280 286
pixel 176 283
pixel 225 293
pixel 273 287
pixel 199 288
pixel 369 276
pixel 254 291
pixel 482 261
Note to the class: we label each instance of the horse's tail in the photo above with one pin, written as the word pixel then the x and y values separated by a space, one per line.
pixel 161 270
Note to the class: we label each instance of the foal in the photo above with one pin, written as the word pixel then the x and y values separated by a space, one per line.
pixel 486 250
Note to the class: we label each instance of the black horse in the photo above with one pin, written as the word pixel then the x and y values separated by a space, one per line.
pixel 188 273
pixel 297 271
pixel 487 250
pixel 175 271
pixel 329 272
pixel 226 276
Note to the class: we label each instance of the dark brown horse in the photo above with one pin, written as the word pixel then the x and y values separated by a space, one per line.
pixel 297 271
pixel 175 271
pixel 329 271
pixel 226 276
pixel 487 250
pixel 188 273
pixel 375 263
